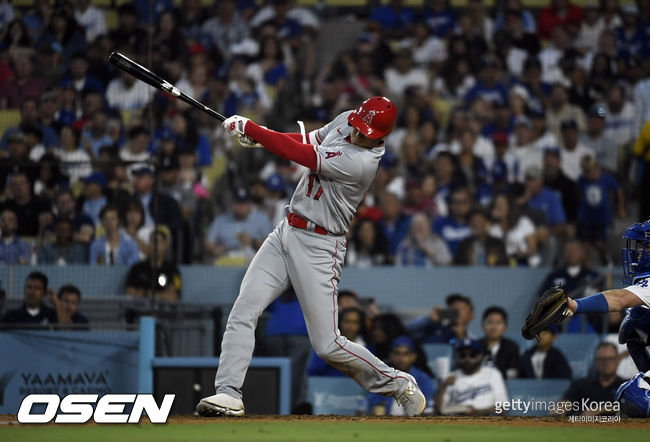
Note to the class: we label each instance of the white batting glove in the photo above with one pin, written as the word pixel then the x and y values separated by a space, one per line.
pixel 235 125
pixel 248 142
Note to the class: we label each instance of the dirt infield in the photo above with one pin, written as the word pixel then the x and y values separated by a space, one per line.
pixel 7 419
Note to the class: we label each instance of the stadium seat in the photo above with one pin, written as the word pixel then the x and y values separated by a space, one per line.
pixel 439 357
pixel 8 118
pixel 335 395
pixel 535 391
pixel 579 350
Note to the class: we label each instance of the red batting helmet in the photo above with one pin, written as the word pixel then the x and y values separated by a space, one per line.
pixel 375 117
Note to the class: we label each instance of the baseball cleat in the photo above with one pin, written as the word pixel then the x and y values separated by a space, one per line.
pixel 411 398
pixel 220 405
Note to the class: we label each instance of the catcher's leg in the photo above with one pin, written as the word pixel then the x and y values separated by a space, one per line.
pixel 265 279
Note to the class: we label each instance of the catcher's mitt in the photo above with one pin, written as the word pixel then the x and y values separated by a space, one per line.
pixel 551 308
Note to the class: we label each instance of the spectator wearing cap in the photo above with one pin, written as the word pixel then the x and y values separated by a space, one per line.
pixel 542 360
pixel 561 12
pixel 126 93
pixel 573 150
pixel 156 271
pixel 620 116
pixel 75 161
pixel 135 150
pixel 13 250
pixel 500 352
pixel 402 356
pixel 421 247
pixel 27 207
pixel 605 148
pixel 488 87
pixel 226 28
pixel 597 188
pixel 472 389
pixel 64 250
pixel 29 116
pixel 481 248
pixel 540 198
pixel 526 154
pixel 93 195
pixel 276 197
pixel 560 109
pixel 114 247
pixel 556 179
pixel 159 208
pixel 240 232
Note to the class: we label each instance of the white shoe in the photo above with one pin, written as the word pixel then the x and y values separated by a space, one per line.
pixel 411 398
pixel 220 404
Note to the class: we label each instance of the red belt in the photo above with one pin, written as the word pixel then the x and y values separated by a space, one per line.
pixel 299 222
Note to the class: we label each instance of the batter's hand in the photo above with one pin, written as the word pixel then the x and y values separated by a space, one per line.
pixel 235 125
pixel 247 141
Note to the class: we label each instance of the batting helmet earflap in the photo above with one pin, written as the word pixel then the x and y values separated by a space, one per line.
pixel 375 117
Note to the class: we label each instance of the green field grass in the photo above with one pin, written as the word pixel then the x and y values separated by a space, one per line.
pixel 318 431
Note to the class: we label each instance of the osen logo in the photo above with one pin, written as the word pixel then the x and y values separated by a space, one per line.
pixel 78 408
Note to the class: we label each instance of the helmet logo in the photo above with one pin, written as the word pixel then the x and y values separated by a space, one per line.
pixel 368 117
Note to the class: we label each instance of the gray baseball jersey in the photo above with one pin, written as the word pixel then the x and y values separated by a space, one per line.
pixel 311 263
pixel 330 195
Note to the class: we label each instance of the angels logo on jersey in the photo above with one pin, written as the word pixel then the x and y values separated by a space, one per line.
pixel 329 155
pixel 368 117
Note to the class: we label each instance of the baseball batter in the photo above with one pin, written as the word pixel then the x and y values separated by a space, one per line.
pixel 306 250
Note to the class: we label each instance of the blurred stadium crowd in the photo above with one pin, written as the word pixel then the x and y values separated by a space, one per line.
pixel 518 129
pixel 522 139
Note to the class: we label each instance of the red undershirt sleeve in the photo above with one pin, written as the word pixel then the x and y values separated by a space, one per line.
pixel 287 146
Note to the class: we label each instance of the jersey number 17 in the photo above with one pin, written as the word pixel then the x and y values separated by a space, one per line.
pixel 314 177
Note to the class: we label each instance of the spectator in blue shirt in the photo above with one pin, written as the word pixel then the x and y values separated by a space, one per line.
pixel 402 356
pixel 488 86
pixel 394 223
pixel 444 324
pixel 64 250
pixel 29 115
pixel 594 211
pixel 393 19
pixel 114 247
pixel 79 77
pixel 539 197
pixel 13 250
pixel 631 36
pixel 239 232
pixel 440 18
pixel 94 198
pixel 454 228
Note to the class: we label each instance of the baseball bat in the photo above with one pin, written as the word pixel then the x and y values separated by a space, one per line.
pixel 144 74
